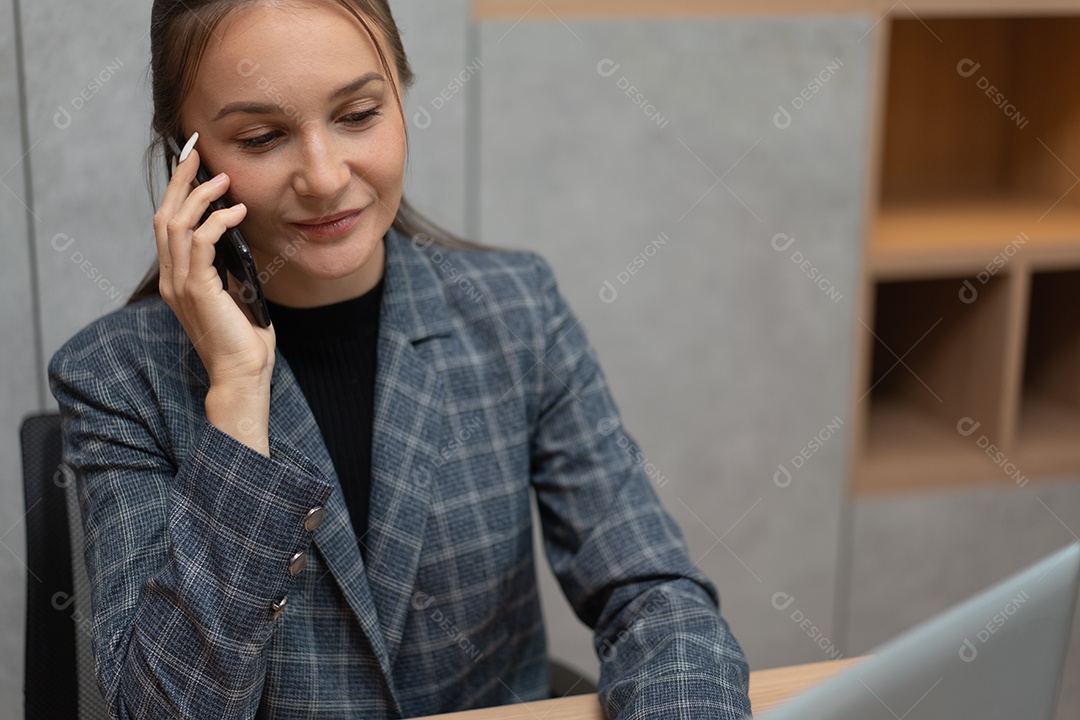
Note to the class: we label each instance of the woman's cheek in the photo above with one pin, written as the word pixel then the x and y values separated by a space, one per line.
pixel 258 226
pixel 259 201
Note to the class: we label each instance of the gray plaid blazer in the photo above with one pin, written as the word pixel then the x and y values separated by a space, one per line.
pixel 486 388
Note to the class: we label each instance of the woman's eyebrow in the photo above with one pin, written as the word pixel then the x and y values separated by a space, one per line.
pixel 355 85
pixel 253 108
pixel 261 108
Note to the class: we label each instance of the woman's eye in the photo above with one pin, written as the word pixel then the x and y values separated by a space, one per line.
pixel 258 142
pixel 359 117
pixel 264 141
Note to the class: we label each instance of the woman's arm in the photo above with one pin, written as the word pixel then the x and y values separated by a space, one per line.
pixel 186 562
pixel 188 547
pixel 621 560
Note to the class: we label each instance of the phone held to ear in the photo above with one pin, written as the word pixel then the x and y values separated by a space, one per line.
pixel 232 254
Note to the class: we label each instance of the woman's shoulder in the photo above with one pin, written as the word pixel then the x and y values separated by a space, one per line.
pixel 477 257
pixel 489 276
pixel 120 335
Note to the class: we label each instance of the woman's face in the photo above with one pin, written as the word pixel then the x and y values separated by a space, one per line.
pixel 290 100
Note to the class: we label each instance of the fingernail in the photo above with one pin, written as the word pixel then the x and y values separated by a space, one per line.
pixel 218 178
pixel 187 146
pixel 237 206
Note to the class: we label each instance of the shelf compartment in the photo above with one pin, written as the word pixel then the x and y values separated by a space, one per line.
pixel 1049 429
pixel 911 450
pixel 983 185
pixel 953 366
pixel 946 139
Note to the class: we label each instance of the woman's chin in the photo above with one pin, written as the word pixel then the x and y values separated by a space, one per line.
pixel 317 259
pixel 319 272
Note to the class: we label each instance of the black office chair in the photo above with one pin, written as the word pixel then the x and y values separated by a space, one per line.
pixel 566 681
pixel 60 680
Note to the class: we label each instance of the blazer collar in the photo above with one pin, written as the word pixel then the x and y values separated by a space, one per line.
pixel 408 432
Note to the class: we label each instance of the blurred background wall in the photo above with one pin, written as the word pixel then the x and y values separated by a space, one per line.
pixel 645 158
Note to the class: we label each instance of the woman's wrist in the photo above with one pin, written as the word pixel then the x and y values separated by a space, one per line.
pixel 242 411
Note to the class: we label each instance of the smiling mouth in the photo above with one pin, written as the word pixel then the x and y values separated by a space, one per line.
pixel 332 225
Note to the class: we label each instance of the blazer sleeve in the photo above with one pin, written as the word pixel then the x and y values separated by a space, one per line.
pixel 621 560
pixel 185 560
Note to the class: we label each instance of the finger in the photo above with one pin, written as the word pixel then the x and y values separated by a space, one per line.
pixel 187 219
pixel 177 191
pixel 180 184
pixel 205 239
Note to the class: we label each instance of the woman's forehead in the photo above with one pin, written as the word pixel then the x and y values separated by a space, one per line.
pixel 297 46
pixel 304 28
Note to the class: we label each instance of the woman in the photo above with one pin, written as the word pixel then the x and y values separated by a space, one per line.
pixel 330 517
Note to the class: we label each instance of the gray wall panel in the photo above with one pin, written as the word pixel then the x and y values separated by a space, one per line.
pixel 88 112
pixel 436 42
pixel 18 362
pixel 915 557
pixel 724 357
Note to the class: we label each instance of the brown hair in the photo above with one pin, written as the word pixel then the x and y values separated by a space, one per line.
pixel 179 33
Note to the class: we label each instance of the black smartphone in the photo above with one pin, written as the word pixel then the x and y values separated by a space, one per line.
pixel 232 254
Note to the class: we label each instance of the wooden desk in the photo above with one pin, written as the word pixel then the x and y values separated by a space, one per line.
pixel 768 688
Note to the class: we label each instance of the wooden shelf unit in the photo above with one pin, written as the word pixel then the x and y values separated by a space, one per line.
pixel 972 269
pixel 1048 438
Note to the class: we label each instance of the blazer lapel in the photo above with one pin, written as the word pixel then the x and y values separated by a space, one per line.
pixel 291 420
pixel 408 432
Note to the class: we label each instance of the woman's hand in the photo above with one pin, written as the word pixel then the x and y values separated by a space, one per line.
pixel 238 353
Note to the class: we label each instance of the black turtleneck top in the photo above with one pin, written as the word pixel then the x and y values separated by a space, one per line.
pixel 331 351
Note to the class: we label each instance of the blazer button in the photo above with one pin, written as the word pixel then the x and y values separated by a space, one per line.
pixel 314 518
pixel 279 607
pixel 297 563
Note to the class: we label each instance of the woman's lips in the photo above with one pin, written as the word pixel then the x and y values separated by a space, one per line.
pixel 338 226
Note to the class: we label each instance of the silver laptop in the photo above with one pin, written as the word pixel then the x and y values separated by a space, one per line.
pixel 996 656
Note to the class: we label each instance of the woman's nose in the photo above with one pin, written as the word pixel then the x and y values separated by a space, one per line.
pixel 323 171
